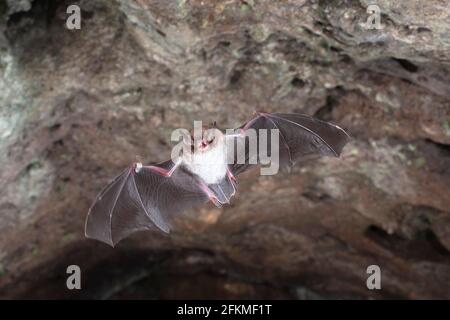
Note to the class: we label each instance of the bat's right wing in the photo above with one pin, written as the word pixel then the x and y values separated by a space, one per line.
pixel 299 135
pixel 142 199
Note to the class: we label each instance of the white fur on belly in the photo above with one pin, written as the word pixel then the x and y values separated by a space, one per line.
pixel 210 165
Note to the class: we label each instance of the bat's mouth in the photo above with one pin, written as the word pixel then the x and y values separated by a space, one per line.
pixel 204 144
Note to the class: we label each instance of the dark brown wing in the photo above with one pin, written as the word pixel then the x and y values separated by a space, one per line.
pixel 141 200
pixel 299 135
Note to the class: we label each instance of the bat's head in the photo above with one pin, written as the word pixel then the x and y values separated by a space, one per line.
pixel 205 140
pixel 210 138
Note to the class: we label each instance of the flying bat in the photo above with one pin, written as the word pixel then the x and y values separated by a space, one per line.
pixel 149 197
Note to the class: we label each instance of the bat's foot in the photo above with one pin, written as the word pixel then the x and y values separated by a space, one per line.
pixel 232 178
pixel 215 201
pixel 210 195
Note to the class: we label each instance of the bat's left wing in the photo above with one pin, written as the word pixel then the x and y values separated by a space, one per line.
pixel 299 135
pixel 143 199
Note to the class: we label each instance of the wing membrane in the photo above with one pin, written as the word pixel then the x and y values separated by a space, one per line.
pixel 299 136
pixel 142 200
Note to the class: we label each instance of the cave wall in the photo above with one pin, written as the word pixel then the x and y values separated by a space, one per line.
pixel 77 106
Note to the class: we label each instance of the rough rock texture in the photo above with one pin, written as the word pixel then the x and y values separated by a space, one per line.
pixel 78 106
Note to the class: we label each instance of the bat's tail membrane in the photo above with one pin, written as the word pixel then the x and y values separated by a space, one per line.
pixel 224 190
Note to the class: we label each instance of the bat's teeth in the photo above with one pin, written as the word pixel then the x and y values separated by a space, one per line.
pixel 138 167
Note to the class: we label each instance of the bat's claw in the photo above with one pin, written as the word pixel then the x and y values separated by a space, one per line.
pixel 231 176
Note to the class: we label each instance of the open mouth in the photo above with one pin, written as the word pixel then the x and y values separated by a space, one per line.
pixel 205 143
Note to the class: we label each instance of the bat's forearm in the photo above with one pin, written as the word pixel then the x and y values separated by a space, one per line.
pixel 162 171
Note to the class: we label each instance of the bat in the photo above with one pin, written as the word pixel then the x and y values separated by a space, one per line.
pixel 149 197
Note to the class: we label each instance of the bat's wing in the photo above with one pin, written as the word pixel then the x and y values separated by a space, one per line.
pixel 140 200
pixel 299 135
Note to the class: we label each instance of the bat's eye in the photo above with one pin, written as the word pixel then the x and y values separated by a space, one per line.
pixel 211 140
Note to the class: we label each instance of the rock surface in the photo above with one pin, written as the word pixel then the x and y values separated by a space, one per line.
pixel 76 106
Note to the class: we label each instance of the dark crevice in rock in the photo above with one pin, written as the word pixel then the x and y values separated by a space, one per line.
pixel 42 11
pixel 332 101
pixel 235 77
pixel 430 76
pixel 425 245
pixel 407 65
pixel 316 195
pixel 443 149
pixel 297 82
pixel 423 30
pixel 225 43
pixel 162 33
